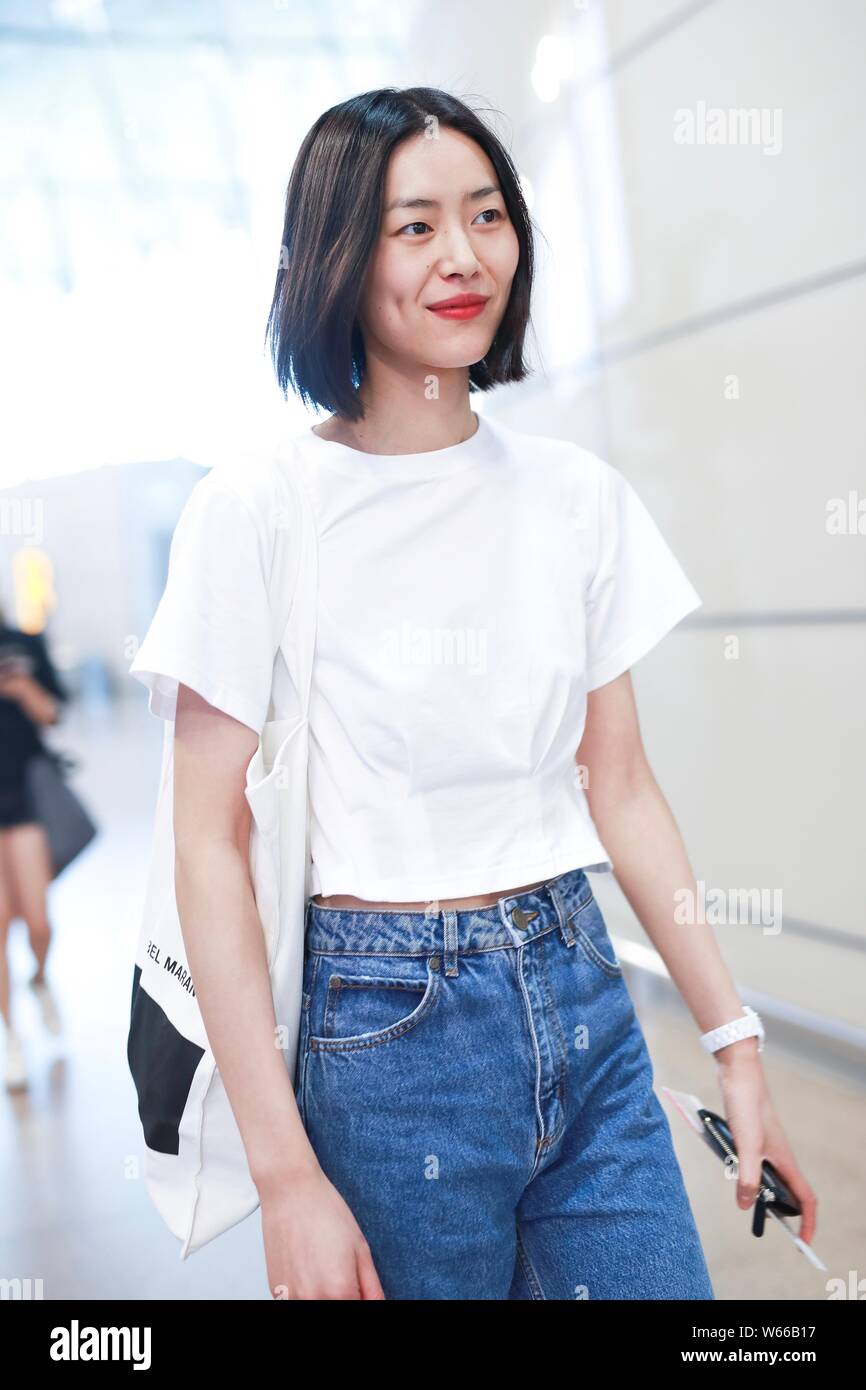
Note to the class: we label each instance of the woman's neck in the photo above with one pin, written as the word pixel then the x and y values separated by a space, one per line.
pixel 406 422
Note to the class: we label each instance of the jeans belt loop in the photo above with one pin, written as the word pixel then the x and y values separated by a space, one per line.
pixel 449 917
pixel 565 928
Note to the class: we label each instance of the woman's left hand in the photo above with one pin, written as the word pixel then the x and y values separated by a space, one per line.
pixel 758 1134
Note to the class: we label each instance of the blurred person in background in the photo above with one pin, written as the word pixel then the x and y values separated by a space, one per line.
pixel 31 696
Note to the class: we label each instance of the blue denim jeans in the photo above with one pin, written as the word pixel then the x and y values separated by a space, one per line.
pixel 476 1085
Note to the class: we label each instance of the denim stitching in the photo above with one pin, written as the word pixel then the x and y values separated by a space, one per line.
pixel 526 1265
pixel 339 982
pixel 551 1012
pixel 431 997
pixel 563 917
pixel 301 1098
pixel 528 1007
pixel 425 953
pixel 614 972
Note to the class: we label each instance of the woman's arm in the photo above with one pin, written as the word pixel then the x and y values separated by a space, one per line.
pixel 313 1245
pixel 650 861
pixel 223 934
pixel 651 866
pixel 35 701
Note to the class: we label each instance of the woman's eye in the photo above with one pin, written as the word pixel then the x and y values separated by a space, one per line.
pixel 493 213
pixel 487 211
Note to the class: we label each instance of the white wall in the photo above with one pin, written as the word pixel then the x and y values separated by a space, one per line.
pixel 717 359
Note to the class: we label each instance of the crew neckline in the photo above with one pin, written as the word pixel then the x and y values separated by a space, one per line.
pixel 426 463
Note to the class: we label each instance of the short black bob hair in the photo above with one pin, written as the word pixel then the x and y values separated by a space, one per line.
pixel 333 216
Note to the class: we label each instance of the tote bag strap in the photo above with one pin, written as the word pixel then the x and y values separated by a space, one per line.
pixel 294 574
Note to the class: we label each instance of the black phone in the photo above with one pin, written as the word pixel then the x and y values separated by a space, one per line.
pixel 774 1191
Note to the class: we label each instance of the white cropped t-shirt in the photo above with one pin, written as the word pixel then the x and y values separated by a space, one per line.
pixel 469 598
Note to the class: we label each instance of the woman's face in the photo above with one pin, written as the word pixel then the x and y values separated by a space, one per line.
pixel 451 236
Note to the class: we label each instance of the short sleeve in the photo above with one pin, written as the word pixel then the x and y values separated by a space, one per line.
pixel 212 627
pixel 638 591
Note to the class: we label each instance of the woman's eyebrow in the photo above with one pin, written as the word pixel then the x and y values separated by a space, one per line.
pixel 418 202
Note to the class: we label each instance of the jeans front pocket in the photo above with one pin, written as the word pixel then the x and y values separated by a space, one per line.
pixel 591 934
pixel 358 1007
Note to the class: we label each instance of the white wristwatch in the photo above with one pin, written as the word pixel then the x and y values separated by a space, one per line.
pixel 749 1026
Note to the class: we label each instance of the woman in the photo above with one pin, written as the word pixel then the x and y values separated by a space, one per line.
pixel 472 1114
pixel 30 696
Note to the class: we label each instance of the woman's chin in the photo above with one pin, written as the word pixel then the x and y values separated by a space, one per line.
pixel 463 354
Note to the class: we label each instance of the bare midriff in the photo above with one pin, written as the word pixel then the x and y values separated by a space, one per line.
pixel 479 900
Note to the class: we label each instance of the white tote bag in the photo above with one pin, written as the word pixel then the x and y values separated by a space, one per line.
pixel 195 1165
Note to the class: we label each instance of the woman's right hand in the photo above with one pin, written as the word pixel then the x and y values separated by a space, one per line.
pixel 314 1247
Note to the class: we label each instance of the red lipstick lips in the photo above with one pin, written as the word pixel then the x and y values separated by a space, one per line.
pixel 459 306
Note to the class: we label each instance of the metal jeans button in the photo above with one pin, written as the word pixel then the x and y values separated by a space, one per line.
pixel 522 919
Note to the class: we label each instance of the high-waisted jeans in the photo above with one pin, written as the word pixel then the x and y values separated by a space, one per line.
pixel 476 1085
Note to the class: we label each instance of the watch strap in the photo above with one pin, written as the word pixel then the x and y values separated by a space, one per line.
pixel 749 1026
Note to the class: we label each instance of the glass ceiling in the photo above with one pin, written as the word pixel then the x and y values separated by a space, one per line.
pixel 144 154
